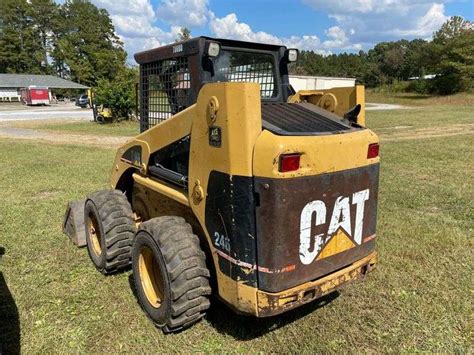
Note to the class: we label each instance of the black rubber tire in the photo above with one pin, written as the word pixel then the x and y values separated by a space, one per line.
pixel 116 225
pixel 185 278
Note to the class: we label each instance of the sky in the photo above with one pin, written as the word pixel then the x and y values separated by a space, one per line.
pixel 324 26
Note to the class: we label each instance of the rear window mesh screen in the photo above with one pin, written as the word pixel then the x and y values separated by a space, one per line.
pixel 164 90
pixel 238 66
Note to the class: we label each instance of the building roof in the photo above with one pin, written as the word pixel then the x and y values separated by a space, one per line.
pixel 320 77
pixel 25 80
pixel 194 45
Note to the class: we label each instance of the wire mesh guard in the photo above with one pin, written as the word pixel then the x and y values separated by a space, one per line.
pixel 165 84
pixel 238 66
pixel 164 89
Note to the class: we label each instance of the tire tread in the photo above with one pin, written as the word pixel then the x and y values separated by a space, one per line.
pixel 186 269
pixel 116 216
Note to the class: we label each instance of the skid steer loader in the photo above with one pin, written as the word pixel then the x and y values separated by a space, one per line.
pixel 237 186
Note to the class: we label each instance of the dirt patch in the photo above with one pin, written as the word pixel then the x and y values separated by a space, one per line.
pixel 62 138
pixel 432 132
pixel 39 124
pixel 402 127
pixel 41 195
pixel 394 128
pixel 374 106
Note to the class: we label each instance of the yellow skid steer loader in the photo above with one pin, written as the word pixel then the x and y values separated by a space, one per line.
pixel 237 186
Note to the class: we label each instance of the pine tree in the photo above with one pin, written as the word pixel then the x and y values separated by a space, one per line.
pixel 21 48
pixel 452 56
pixel 87 48
pixel 44 14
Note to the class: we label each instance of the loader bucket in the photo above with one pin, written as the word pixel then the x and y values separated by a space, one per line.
pixel 73 224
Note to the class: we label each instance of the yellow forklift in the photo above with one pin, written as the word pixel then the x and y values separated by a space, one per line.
pixel 237 186
pixel 101 114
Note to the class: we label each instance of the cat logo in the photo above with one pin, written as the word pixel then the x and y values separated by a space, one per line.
pixel 339 234
pixel 215 136
pixel 177 49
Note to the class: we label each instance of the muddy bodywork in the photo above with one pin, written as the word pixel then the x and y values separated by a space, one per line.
pixel 270 304
pixel 280 216
pixel 264 248
pixel 250 213
pixel 274 239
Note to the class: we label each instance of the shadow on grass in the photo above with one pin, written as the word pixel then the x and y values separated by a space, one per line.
pixel 224 320
pixel 9 319
pixel 242 327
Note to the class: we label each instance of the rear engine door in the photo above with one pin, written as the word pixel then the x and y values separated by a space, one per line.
pixel 308 227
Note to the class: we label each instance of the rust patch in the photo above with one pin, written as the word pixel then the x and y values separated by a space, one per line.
pixel 273 304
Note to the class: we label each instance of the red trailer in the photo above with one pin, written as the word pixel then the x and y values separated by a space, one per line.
pixel 35 95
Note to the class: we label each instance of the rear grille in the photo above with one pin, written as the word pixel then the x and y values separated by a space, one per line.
pixel 300 119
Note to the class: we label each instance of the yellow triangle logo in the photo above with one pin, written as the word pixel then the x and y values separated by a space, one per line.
pixel 338 243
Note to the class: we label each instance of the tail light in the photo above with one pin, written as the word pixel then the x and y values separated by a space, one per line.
pixel 289 162
pixel 373 151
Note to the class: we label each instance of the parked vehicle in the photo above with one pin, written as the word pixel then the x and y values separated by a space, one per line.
pixel 83 101
pixel 35 95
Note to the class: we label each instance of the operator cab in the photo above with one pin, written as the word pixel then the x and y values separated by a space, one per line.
pixel 171 76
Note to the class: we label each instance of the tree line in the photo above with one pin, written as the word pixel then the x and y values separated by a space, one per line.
pixel 76 40
pixel 449 57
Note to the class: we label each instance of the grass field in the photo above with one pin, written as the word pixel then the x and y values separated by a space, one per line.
pixel 124 128
pixel 420 298
pixel 412 99
pixel 444 106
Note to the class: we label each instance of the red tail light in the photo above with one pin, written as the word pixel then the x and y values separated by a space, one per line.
pixel 289 162
pixel 373 151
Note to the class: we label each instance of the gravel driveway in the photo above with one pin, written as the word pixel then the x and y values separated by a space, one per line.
pixel 13 112
pixel 373 106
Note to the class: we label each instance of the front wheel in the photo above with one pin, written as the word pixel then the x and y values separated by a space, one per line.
pixel 169 269
pixel 110 228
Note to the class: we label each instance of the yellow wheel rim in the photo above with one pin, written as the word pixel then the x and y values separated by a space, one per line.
pixel 150 277
pixel 94 233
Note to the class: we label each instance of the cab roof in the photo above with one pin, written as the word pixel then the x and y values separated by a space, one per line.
pixel 196 45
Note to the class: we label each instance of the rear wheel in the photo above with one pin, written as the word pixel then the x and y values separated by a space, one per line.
pixel 100 119
pixel 110 229
pixel 169 269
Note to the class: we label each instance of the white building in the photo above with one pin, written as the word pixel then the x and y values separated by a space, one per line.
pixel 302 82
pixel 9 94
pixel 427 77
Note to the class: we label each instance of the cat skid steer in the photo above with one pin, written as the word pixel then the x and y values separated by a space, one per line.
pixel 237 186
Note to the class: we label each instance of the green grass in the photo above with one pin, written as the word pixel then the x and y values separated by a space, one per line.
pixel 420 298
pixel 421 117
pixel 124 128
pixel 412 99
